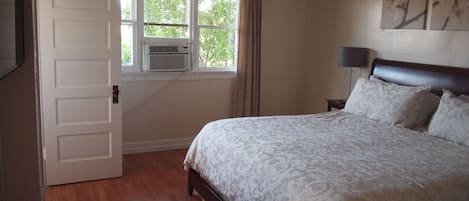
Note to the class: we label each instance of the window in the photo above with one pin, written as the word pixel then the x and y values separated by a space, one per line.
pixel 216 30
pixel 210 26
pixel 128 24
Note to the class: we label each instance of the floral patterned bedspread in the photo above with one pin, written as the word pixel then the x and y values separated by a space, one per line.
pixel 332 156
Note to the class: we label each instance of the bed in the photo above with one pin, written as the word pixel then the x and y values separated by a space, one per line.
pixel 334 156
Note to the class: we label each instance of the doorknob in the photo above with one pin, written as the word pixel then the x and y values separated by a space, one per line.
pixel 115 94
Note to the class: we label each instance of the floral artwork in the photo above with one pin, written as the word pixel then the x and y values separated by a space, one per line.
pixel 404 14
pixel 450 15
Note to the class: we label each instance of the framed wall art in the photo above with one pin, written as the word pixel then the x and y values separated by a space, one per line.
pixel 404 14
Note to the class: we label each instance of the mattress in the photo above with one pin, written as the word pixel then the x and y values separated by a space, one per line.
pixel 332 156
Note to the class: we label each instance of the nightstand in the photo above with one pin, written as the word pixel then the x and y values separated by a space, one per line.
pixel 335 103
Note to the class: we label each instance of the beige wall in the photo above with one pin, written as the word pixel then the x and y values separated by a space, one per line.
pixel 285 54
pixel 356 23
pixel 176 109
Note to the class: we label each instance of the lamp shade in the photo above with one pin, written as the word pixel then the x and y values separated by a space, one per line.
pixel 353 57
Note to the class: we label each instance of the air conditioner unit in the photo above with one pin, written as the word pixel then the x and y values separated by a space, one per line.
pixel 166 58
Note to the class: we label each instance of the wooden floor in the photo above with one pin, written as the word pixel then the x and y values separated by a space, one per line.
pixel 157 176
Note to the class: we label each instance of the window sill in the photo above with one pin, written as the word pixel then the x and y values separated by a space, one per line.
pixel 190 75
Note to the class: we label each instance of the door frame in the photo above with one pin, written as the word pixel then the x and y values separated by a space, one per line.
pixel 39 123
pixel 1 170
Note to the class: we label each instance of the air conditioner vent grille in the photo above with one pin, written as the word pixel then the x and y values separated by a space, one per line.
pixel 166 58
pixel 164 49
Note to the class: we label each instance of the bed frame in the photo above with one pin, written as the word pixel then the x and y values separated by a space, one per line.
pixel 413 74
pixel 402 73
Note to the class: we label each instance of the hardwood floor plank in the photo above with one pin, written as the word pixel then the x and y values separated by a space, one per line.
pixel 154 176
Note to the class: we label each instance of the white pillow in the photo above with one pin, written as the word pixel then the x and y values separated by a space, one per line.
pixel 451 120
pixel 374 78
pixel 464 97
pixel 428 108
pixel 393 104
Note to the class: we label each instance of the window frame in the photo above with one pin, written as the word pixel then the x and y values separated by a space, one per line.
pixel 194 39
pixel 135 48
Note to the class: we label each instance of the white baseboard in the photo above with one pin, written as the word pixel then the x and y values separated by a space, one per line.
pixel 156 145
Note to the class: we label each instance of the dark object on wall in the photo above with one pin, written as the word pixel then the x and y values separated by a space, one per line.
pixel 11 36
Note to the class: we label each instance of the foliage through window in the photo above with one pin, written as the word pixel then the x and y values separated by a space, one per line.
pixel 166 18
pixel 210 25
pixel 217 32
pixel 128 23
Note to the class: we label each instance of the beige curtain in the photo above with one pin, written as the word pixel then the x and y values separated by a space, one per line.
pixel 247 88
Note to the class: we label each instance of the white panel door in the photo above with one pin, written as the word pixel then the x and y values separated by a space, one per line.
pixel 79 43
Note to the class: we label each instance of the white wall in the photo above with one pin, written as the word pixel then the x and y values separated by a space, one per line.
pixel 175 110
pixel 357 23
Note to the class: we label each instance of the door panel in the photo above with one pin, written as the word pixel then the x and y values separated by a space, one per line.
pixel 76 34
pixel 79 65
pixel 71 147
pixel 81 74
pixel 83 4
pixel 86 110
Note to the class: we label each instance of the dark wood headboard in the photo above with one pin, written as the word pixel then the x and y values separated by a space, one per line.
pixel 414 74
